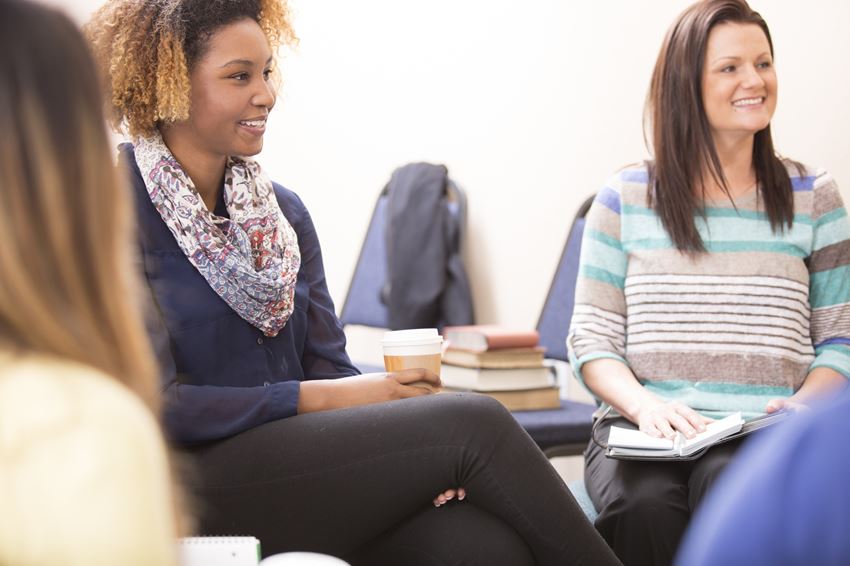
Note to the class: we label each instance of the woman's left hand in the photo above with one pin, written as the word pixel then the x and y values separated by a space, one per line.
pixel 785 404
pixel 448 495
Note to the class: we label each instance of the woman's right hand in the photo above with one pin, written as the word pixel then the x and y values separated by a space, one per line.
pixel 663 418
pixel 326 394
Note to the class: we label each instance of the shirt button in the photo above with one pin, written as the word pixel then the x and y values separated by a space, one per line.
pixel 260 340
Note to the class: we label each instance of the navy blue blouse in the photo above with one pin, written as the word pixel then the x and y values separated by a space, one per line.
pixel 221 375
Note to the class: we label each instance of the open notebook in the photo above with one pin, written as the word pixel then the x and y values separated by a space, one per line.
pixel 630 444
pixel 243 551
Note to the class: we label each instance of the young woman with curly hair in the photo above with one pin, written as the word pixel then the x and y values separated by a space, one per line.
pixel 291 445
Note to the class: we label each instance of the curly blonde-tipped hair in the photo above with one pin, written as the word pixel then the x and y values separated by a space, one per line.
pixel 146 50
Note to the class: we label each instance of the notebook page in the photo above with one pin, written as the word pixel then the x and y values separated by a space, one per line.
pixel 218 551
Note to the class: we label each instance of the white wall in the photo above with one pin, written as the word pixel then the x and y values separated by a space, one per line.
pixel 531 105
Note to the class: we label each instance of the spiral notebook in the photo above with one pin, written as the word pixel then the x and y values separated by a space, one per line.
pixel 218 551
pixel 630 444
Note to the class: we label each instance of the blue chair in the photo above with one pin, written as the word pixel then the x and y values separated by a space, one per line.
pixel 564 431
pixel 577 488
pixel 363 305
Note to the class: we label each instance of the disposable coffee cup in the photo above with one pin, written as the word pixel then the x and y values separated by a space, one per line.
pixel 413 349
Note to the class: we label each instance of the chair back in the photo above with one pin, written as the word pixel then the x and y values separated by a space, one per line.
pixel 363 304
pixel 554 322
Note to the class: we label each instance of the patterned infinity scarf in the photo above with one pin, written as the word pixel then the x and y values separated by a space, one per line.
pixel 251 259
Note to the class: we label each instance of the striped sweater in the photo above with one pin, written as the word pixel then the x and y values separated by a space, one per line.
pixel 731 328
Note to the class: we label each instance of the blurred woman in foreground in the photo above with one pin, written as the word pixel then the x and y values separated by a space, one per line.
pixel 84 476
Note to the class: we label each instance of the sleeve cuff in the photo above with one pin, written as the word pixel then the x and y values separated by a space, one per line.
pixel 284 397
pixel 577 363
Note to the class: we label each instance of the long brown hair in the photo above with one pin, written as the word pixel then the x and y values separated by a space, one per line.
pixel 68 286
pixel 682 143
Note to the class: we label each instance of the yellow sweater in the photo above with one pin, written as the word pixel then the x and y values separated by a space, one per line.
pixel 84 478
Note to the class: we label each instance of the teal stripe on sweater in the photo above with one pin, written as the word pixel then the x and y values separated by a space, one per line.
pixel 715 388
pixel 831 216
pixel 738 230
pixel 835 357
pixel 602 237
pixel 718 399
pixel 831 232
pixel 769 247
pixel 840 348
pixel 829 287
pixel 637 210
pixel 600 255
pixel 576 364
pixel 721 229
pixel 713 212
pixel 604 276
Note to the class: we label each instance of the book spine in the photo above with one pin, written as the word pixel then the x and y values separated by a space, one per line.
pixel 511 341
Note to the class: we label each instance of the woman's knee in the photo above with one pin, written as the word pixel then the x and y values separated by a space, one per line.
pixel 458 533
pixel 647 507
pixel 474 408
pixel 706 474
pixel 476 423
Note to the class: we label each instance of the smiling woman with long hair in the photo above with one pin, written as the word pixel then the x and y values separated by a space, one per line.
pixel 713 278
pixel 84 477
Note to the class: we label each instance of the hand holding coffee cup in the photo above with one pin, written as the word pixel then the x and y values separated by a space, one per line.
pixel 418 378
pixel 416 349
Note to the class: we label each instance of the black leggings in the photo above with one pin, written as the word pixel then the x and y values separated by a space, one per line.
pixel 358 483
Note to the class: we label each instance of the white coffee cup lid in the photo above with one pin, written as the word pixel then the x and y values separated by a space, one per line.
pixel 412 337
pixel 302 559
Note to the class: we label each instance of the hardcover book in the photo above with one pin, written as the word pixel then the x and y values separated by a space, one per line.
pixel 482 337
pixel 502 358
pixel 483 379
pixel 522 399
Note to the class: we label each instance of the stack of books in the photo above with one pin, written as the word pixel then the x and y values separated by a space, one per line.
pixel 504 363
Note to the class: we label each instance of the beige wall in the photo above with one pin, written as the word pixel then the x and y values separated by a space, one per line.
pixel 531 106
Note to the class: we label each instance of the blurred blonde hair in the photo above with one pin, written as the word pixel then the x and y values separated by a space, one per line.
pixel 70 314
pixel 68 285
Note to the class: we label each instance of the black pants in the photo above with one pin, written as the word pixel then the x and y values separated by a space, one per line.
pixel 358 483
pixel 644 507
